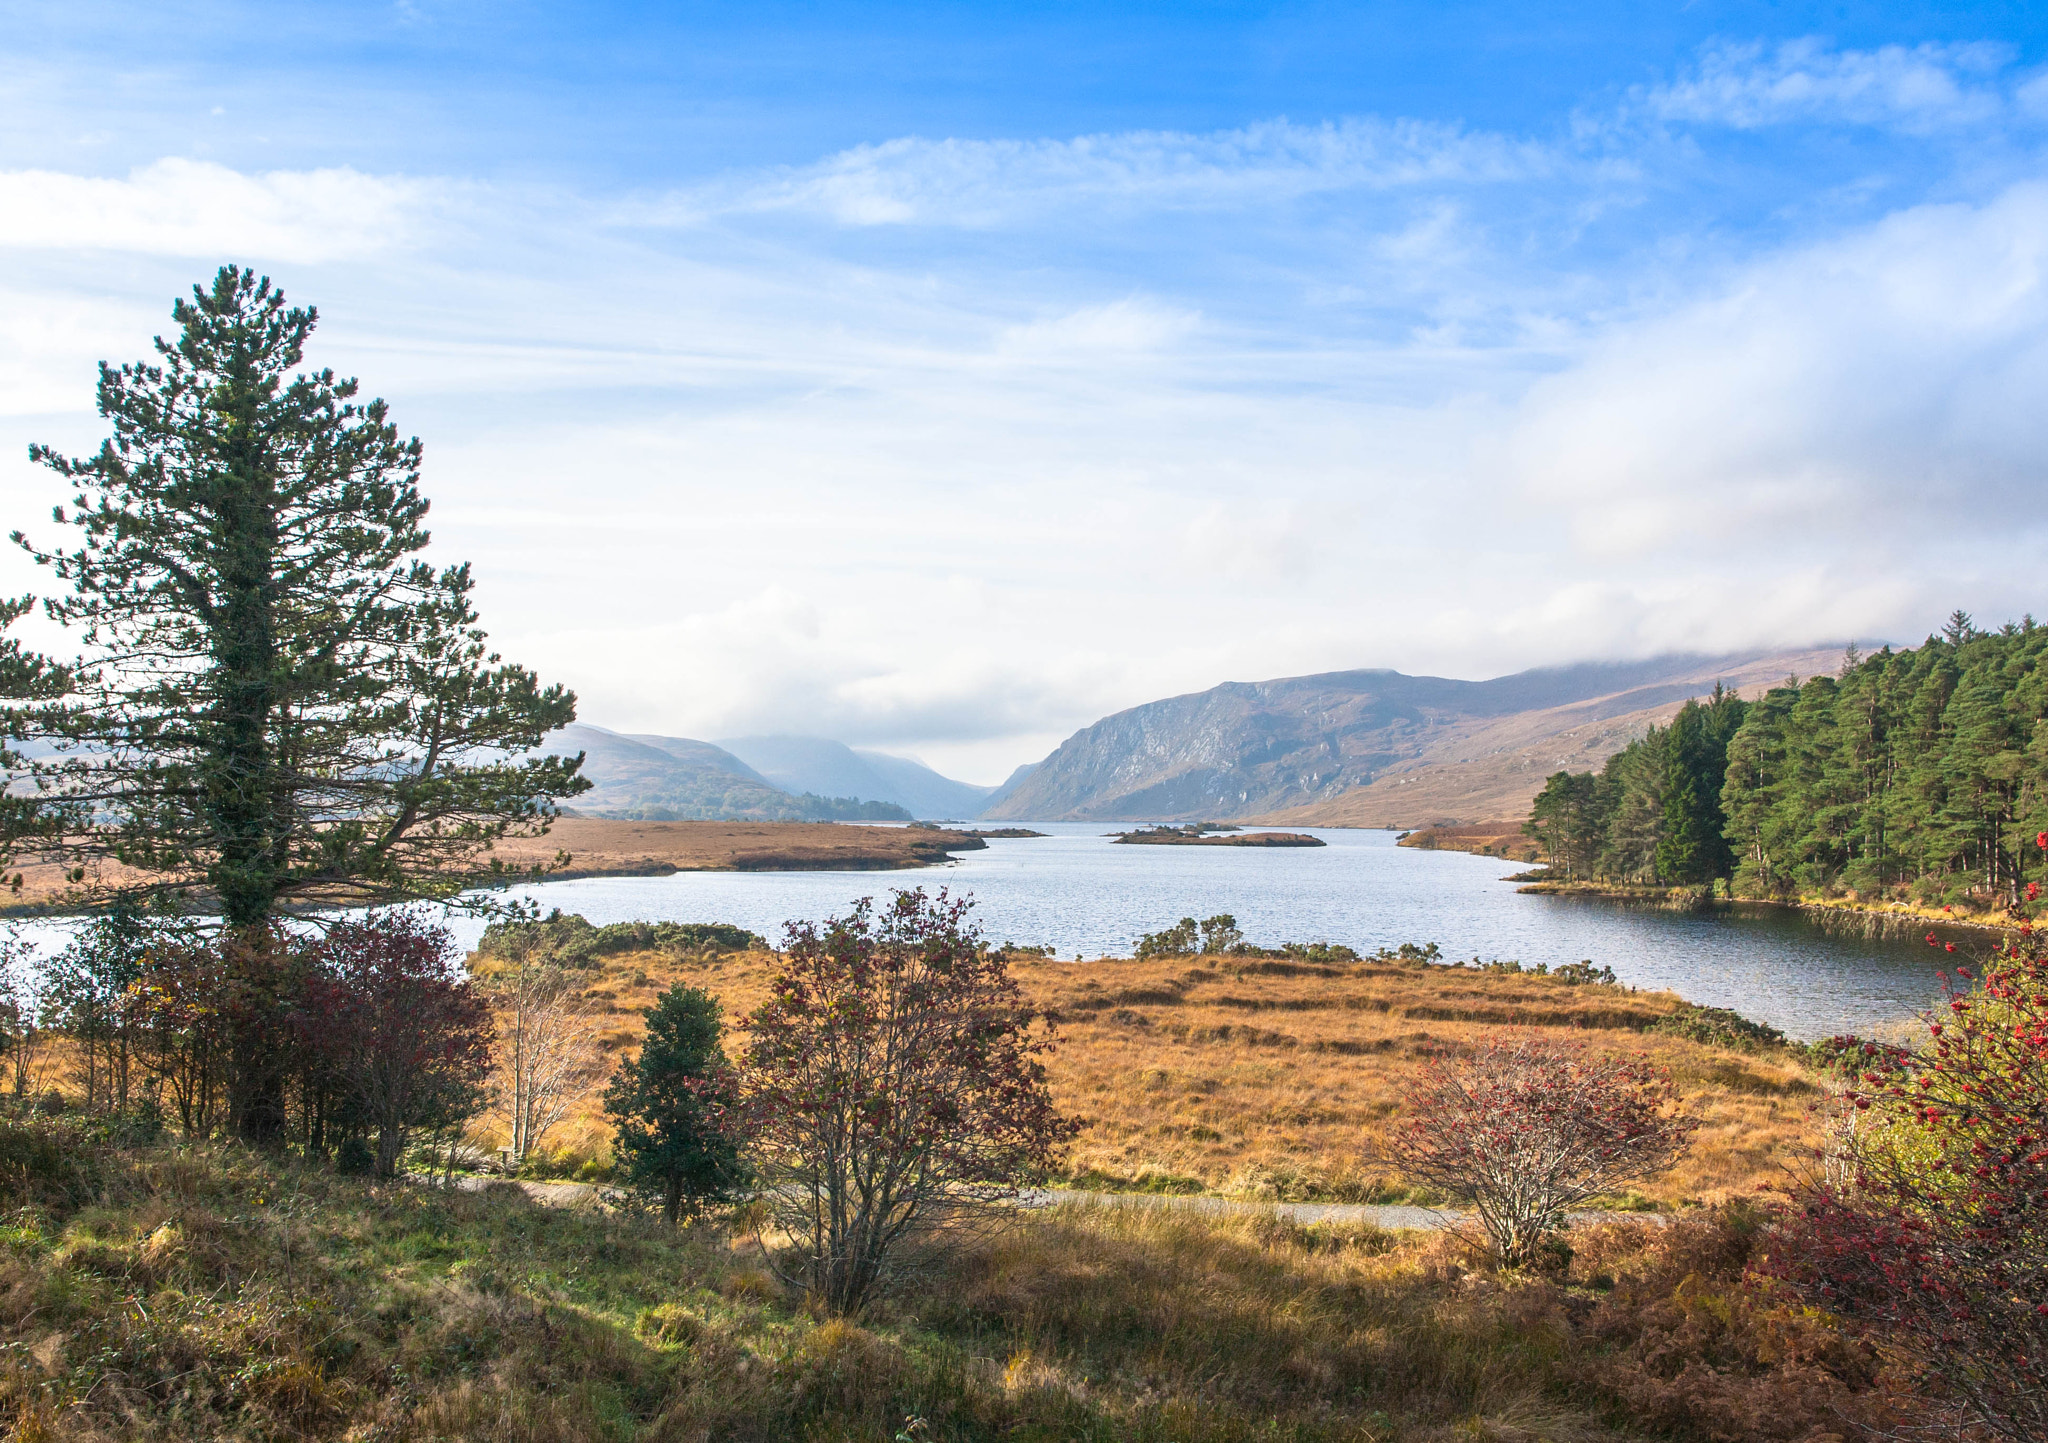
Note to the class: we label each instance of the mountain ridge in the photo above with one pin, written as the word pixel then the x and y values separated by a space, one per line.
pixel 644 776
pixel 1371 747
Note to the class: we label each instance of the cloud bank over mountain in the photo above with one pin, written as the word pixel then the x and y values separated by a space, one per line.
pixel 954 441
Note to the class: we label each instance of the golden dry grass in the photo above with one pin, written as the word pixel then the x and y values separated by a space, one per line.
pixel 599 847
pixel 1487 839
pixel 1274 1079
pixel 212 1292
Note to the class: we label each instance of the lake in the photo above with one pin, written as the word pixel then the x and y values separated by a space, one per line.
pixel 1087 896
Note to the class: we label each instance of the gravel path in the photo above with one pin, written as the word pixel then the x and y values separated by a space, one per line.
pixel 1380 1215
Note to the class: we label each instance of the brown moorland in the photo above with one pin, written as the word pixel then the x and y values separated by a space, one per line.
pixel 209 1292
pixel 604 847
pixel 1269 1078
pixel 1487 839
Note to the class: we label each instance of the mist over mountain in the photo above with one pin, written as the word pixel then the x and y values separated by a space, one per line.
pixel 833 769
pixel 1370 748
pixel 667 779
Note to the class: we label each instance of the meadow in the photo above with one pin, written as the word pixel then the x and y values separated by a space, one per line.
pixel 210 1292
pixel 153 1290
pixel 1275 1079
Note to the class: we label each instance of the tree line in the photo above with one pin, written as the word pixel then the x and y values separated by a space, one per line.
pixel 1919 773
pixel 1653 813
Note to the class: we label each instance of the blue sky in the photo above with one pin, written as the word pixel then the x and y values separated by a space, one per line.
pixel 943 377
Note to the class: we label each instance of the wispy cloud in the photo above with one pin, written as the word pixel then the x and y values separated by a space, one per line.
pixel 981 183
pixel 1883 379
pixel 954 445
pixel 1924 88
pixel 178 207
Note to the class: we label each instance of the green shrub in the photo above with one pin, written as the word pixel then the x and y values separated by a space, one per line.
pixel 49 1160
pixel 569 939
pixel 1719 1027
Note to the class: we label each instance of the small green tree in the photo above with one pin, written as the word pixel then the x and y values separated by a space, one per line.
pixel 90 992
pixel 675 1108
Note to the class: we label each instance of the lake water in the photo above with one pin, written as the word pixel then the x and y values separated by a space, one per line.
pixel 1085 895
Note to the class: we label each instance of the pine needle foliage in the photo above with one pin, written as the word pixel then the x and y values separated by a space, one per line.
pixel 676 1110
pixel 276 697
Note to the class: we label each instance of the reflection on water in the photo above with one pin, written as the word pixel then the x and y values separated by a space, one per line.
pixel 1090 897
pixel 1087 896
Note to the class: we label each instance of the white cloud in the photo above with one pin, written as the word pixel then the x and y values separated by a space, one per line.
pixel 937 493
pixel 1133 324
pixel 1891 379
pixel 988 182
pixel 1926 87
pixel 180 207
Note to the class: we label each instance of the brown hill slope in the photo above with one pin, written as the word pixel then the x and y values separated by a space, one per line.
pixel 1476 768
pixel 1300 749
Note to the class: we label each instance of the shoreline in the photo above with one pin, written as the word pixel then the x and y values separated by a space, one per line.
pixel 604 847
pixel 1890 921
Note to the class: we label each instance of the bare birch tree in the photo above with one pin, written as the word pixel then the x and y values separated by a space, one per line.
pixel 21 1033
pixel 547 1063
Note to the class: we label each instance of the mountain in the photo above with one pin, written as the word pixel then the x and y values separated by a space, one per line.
pixel 910 783
pixel 833 769
pixel 1371 748
pixel 668 779
pixel 1010 784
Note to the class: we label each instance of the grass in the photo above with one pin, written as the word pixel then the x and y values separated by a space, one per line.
pixel 1273 1079
pixel 203 1293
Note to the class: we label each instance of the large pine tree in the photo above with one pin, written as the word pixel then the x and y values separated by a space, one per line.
pixel 276 699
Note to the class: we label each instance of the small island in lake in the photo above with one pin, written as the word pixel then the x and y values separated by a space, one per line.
pixel 1208 834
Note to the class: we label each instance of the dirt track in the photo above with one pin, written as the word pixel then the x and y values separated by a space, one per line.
pixel 1390 1216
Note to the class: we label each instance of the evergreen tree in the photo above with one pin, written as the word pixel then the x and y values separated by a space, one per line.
pixel 675 1108
pixel 1633 808
pixel 277 697
pixel 1565 822
pixel 29 819
pixel 1752 787
pixel 1693 848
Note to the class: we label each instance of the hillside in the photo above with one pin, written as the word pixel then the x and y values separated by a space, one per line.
pixel 1371 748
pixel 668 779
pixel 833 769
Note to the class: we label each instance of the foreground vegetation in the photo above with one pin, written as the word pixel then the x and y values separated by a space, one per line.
pixel 215 1292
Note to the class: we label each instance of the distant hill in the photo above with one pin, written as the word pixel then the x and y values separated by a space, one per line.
pixel 833 769
pixel 1010 784
pixel 1371 748
pixel 667 779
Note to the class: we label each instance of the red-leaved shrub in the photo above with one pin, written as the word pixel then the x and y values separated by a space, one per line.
pixel 1529 1128
pixel 1930 1237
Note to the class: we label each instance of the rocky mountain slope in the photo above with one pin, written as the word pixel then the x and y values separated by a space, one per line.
pixel 1371 748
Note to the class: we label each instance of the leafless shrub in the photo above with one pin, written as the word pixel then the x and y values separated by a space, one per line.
pixel 1529 1128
